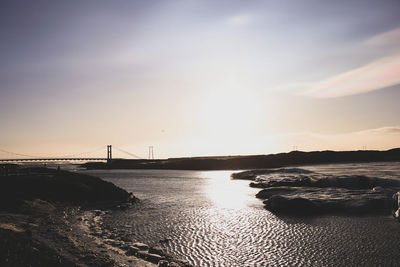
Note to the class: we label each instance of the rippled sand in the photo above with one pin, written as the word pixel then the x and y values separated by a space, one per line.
pixel 258 238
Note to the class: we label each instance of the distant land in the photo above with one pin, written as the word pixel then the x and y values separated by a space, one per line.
pixel 251 161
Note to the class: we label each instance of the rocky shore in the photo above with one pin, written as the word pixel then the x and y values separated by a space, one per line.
pixel 54 218
pixel 300 192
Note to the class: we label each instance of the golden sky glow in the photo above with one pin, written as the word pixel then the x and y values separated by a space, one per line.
pixel 198 78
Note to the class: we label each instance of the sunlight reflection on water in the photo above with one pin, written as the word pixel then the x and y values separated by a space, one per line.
pixel 227 193
pixel 211 220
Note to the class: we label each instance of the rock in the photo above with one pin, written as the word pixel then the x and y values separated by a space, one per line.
pixel 295 191
pixel 163 263
pixel 246 175
pixel 269 192
pixel 356 182
pixel 157 250
pixel 328 182
pixel 154 258
pixel 396 205
pixel 258 185
pixel 396 214
pixel 141 246
pixel 142 254
pixel 383 190
pixel 378 189
pixel 132 251
pixel 396 200
pixel 298 206
pixel 120 244
pixel 112 242
pixel 125 246
pixel 11 227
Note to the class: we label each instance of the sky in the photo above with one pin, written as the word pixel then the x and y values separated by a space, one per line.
pixel 198 77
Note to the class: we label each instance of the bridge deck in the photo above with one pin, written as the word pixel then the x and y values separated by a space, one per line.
pixel 54 159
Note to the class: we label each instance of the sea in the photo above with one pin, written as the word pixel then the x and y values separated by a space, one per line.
pixel 209 219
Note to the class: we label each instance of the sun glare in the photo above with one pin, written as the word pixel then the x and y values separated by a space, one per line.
pixel 226 193
pixel 230 111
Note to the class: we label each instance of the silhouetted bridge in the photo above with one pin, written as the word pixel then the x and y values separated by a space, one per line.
pixel 65 158
pixel 54 159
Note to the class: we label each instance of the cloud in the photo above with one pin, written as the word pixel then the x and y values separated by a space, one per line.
pixel 390 38
pixel 376 75
pixel 239 19
pixel 383 130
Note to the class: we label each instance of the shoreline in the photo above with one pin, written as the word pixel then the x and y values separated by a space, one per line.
pixel 55 230
pixel 80 235
pixel 294 158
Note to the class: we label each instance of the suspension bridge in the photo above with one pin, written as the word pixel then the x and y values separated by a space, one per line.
pixel 84 156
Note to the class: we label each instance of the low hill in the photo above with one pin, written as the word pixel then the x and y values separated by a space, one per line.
pixel 252 161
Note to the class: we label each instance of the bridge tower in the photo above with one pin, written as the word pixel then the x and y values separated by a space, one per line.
pixel 109 153
pixel 151 152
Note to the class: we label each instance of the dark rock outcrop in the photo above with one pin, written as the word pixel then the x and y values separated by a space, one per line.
pixel 349 182
pixel 301 192
pixel 298 206
pixel 60 186
pixel 269 192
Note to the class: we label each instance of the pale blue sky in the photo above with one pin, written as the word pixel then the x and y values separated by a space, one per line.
pixel 199 77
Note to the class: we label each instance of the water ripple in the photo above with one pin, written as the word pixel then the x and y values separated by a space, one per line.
pixel 207 232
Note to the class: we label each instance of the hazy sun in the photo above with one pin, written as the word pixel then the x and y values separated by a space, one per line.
pixel 230 112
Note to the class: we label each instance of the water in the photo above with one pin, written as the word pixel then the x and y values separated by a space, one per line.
pixel 211 220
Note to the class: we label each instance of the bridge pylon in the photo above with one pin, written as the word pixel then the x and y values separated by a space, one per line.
pixel 109 153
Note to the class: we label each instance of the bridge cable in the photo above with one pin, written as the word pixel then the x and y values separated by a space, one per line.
pixel 86 152
pixel 17 154
pixel 126 152
pixel 44 157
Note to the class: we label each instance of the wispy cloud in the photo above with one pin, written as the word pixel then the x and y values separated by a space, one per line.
pixel 390 38
pixel 378 74
pixel 383 130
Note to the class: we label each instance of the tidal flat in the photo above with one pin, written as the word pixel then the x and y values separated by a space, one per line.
pixel 209 219
pixel 194 218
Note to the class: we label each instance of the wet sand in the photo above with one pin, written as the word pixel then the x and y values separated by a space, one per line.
pixel 44 234
pixel 39 227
